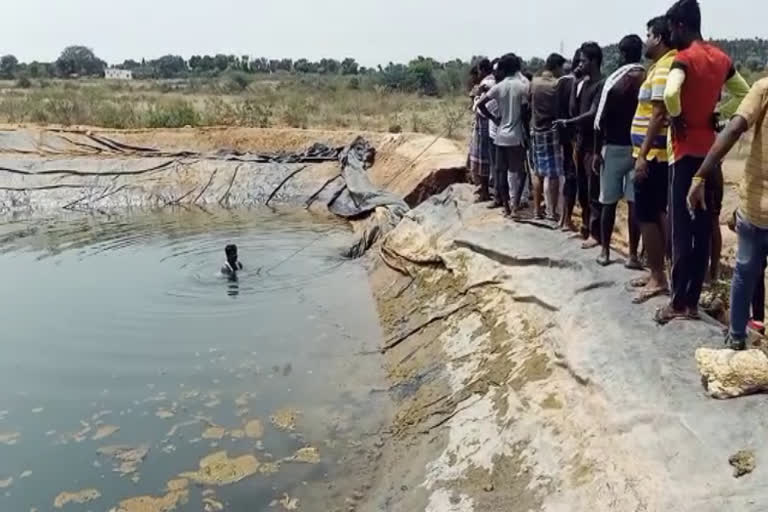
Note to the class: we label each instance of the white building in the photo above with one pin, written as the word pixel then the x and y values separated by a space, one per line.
pixel 118 74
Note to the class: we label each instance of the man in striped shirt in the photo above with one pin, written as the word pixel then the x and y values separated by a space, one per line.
pixel 649 138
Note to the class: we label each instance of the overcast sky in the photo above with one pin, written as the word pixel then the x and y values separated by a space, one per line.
pixel 373 31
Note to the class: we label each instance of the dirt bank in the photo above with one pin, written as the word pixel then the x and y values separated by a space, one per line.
pixel 526 380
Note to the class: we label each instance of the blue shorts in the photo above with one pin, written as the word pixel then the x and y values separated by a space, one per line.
pixel 617 175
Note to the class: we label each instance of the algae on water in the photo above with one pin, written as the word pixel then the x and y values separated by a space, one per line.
pixel 219 469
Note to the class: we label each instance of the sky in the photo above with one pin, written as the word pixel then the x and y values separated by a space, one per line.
pixel 372 31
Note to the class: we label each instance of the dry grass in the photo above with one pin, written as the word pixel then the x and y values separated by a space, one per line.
pixel 296 102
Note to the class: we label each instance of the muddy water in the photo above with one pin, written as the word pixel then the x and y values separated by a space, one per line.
pixel 124 323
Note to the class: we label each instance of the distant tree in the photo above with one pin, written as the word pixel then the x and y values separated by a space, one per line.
pixel 169 66
pixel 755 64
pixel 422 76
pixel 349 66
pixel 79 60
pixel 221 62
pixel 285 65
pixel 260 65
pixel 9 65
pixel 301 66
pixel 130 64
pixel 196 63
pixel 245 62
pixel 208 63
pixel 329 66
pixel 34 69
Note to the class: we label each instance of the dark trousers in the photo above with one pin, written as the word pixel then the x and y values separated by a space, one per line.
pixel 569 169
pixel 510 162
pixel 588 188
pixel 691 236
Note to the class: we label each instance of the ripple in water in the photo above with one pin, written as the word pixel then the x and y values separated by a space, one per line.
pixel 124 325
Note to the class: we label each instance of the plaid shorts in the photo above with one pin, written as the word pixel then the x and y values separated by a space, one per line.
pixel 548 154
pixel 480 148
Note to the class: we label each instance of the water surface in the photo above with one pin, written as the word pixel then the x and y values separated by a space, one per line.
pixel 125 322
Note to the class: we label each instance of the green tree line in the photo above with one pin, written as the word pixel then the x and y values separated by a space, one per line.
pixel 422 75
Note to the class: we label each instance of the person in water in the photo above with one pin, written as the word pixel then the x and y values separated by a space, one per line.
pixel 232 264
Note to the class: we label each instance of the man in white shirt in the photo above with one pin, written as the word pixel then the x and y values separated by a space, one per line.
pixel 511 97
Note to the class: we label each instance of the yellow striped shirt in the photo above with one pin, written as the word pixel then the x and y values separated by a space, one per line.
pixel 652 90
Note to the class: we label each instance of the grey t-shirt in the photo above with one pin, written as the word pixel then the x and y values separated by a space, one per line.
pixel 510 95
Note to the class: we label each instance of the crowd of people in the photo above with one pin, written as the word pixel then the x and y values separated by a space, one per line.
pixel 647 134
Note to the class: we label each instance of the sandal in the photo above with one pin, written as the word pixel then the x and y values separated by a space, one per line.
pixel 638 282
pixel 603 260
pixel 647 295
pixel 633 264
pixel 590 244
pixel 666 314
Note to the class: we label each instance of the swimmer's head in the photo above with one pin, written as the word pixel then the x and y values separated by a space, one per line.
pixel 231 252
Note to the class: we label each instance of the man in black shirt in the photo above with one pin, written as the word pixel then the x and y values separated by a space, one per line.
pixel 588 182
pixel 613 125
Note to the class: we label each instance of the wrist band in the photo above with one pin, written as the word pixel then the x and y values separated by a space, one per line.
pixel 698 179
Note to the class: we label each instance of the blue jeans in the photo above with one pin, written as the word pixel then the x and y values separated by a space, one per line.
pixel 750 258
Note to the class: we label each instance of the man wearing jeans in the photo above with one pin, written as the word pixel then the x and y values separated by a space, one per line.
pixel 752 217
pixel 693 90
pixel 511 97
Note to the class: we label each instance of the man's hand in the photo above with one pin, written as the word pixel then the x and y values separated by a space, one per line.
pixel 641 169
pixel 679 128
pixel 560 123
pixel 597 163
pixel 697 196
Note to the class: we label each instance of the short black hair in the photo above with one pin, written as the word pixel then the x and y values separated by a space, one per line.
pixel 230 250
pixel 659 26
pixel 484 66
pixel 576 58
pixel 554 61
pixel 631 47
pixel 592 51
pixel 686 13
pixel 510 64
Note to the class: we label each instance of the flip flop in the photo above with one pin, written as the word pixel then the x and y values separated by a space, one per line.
pixel 638 282
pixel 633 265
pixel 603 262
pixel 590 244
pixel 645 296
pixel 666 314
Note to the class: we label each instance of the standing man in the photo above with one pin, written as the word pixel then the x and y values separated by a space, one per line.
pixel 480 147
pixel 566 87
pixel 649 138
pixel 547 149
pixel 752 216
pixel 511 96
pixel 691 96
pixel 588 182
pixel 613 125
